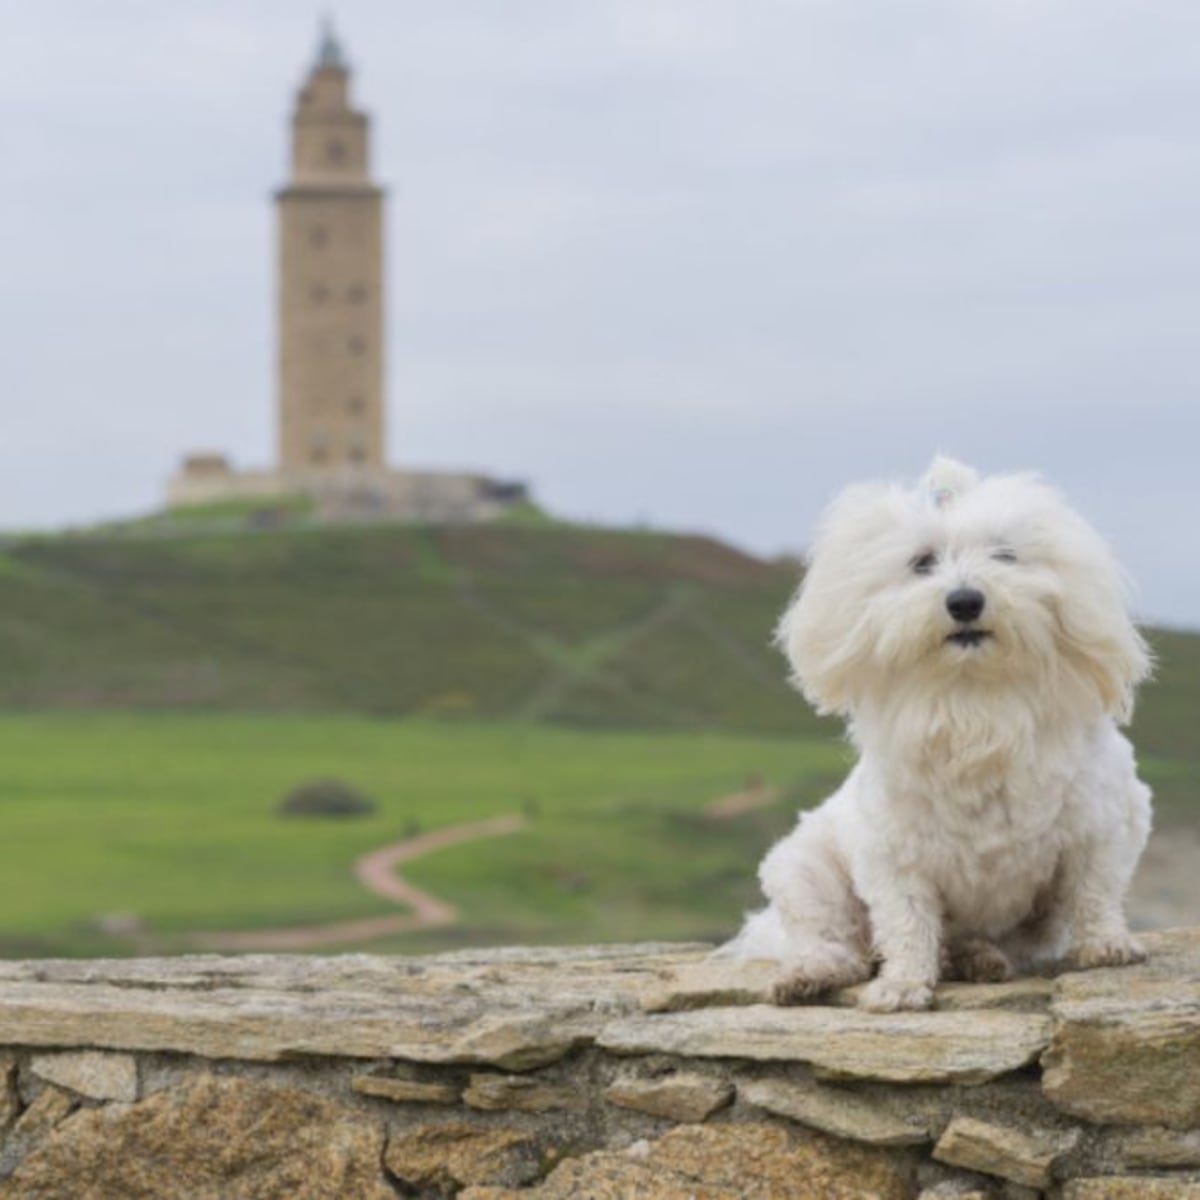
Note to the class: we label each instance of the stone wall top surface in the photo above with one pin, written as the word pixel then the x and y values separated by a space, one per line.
pixel 521 1009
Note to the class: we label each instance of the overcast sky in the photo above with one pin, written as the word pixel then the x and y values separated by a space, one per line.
pixel 695 262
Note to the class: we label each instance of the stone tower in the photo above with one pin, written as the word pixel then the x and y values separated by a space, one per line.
pixel 331 353
pixel 330 303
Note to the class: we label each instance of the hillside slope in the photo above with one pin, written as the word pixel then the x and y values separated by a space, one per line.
pixel 552 623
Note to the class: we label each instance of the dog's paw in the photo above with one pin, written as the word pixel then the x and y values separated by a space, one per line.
pixel 896 995
pixel 1118 951
pixel 977 960
pixel 799 987
pixel 820 971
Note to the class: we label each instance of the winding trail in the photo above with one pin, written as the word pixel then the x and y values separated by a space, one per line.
pixel 728 807
pixel 376 872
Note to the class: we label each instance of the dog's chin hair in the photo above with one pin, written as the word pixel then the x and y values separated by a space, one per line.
pixel 976 709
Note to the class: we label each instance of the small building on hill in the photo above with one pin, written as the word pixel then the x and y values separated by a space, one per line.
pixel 331 345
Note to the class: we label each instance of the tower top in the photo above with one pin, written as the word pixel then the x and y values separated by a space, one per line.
pixel 329 49
pixel 329 135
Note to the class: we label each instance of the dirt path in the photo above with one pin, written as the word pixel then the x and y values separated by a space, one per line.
pixel 376 872
pixel 581 663
pixel 728 807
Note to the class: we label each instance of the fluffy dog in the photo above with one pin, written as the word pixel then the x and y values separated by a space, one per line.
pixel 974 635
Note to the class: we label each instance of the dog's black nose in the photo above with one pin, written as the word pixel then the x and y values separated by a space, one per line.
pixel 965 604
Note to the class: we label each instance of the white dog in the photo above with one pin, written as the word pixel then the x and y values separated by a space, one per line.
pixel 974 634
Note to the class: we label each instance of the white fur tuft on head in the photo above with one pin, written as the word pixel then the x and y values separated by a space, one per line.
pixel 946 480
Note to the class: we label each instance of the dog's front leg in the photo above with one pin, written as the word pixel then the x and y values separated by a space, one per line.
pixel 906 926
pixel 1095 878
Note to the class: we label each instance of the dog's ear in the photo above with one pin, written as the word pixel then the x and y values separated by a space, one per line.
pixel 825 632
pixel 945 480
pixel 1111 654
pixel 1096 634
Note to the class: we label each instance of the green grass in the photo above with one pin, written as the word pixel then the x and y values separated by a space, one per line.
pixel 173 818
pixel 1167 723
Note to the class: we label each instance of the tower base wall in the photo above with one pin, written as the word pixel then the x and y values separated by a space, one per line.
pixel 350 494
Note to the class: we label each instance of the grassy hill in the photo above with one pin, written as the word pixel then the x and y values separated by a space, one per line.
pixel 551 623
pixel 547 623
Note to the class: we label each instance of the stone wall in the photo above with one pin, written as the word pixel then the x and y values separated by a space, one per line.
pixel 588 1074
pixel 350 493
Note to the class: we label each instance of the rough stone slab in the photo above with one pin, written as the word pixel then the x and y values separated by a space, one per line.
pixel 744 1161
pixel 1127 1047
pixel 1132 1187
pixel 259 1025
pixel 97 1074
pixel 453 1154
pixel 516 1009
pixel 227 1137
pixel 405 1091
pixel 495 1093
pixel 722 982
pixel 52 1107
pixel 955 1191
pixel 681 1096
pixel 712 983
pixel 926 1047
pixel 837 1110
pixel 1160 1148
pixel 10 1103
pixel 1026 1157
pixel 1029 994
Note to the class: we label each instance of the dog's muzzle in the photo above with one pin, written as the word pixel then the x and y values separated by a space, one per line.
pixel 966 605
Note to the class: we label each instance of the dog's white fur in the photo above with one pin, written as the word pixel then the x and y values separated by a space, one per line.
pixel 994 818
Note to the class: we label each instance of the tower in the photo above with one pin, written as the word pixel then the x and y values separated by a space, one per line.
pixel 330 298
pixel 330 351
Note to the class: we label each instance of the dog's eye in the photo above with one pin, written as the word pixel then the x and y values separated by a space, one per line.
pixel 1005 555
pixel 923 564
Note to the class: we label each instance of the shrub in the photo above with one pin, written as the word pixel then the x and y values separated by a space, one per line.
pixel 326 798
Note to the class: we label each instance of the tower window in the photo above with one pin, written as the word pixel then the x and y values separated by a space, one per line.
pixel 357 294
pixel 318 447
pixel 335 152
pixel 357 405
pixel 356 346
pixel 357 454
pixel 318 236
